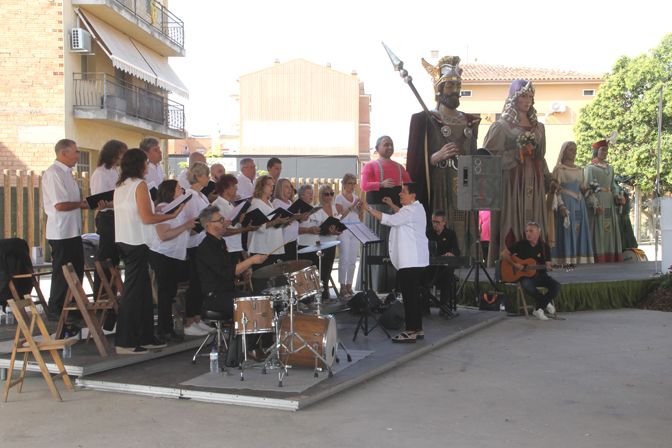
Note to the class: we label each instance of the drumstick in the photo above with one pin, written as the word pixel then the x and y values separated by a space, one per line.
pixel 277 248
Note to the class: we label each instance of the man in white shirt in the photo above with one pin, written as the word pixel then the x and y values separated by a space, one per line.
pixel 155 174
pixel 248 172
pixel 62 201
pixel 409 253
pixel 193 158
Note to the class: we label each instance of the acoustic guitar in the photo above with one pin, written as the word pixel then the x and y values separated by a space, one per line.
pixel 510 274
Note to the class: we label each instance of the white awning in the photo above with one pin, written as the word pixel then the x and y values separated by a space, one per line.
pixel 132 57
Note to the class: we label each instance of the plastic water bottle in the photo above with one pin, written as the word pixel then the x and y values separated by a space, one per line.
pixel 67 349
pixel 214 360
pixel 502 306
pixel 2 316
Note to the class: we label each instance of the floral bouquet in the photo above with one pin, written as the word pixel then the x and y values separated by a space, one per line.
pixel 527 142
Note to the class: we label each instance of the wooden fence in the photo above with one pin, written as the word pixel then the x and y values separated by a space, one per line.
pixel 23 213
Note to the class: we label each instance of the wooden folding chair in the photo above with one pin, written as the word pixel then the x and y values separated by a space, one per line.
pixel 24 343
pixel 112 288
pixel 92 312
pixel 35 280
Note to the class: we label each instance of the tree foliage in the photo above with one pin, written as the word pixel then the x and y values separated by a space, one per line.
pixel 627 103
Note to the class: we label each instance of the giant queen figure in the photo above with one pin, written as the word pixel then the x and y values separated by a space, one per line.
pixel 436 139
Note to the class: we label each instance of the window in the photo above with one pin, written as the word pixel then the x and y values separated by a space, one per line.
pixel 84 164
pixel 466 93
pixel 588 92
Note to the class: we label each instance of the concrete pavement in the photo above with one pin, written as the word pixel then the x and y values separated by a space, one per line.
pixel 597 379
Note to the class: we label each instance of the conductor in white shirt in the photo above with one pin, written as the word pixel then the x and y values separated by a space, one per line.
pixel 63 206
pixel 409 253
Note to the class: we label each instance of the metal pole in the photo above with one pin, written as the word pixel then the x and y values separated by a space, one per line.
pixel 656 208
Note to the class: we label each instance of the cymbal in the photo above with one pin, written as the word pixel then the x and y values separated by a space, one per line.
pixel 282 268
pixel 319 246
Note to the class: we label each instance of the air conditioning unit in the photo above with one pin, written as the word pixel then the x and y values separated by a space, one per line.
pixel 80 41
pixel 558 106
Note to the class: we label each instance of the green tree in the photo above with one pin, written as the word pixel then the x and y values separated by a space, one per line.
pixel 627 103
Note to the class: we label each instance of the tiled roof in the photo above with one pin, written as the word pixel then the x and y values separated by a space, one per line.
pixel 494 73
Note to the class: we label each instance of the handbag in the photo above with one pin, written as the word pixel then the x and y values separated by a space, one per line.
pixel 492 301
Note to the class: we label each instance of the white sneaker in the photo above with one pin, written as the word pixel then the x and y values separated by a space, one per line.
pixel 550 308
pixel 539 314
pixel 203 326
pixel 195 330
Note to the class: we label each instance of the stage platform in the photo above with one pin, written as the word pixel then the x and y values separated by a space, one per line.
pixel 175 376
pixel 586 287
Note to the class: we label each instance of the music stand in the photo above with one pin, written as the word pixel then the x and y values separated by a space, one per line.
pixel 366 237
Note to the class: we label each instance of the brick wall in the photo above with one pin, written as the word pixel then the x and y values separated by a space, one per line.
pixel 32 86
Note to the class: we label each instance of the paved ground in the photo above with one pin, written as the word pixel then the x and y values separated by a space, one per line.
pixel 598 379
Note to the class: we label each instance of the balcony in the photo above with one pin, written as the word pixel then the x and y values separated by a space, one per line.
pixel 146 21
pixel 99 96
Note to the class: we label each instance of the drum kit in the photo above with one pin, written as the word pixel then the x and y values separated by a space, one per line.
pixel 301 339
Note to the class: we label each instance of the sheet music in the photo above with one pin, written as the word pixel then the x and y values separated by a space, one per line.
pixel 234 212
pixel 362 232
pixel 176 202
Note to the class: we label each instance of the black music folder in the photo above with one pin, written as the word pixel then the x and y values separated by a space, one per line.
pixel 300 206
pixel 331 221
pixel 280 213
pixel 240 208
pixel 238 201
pixel 255 218
pixel 209 188
pixel 95 198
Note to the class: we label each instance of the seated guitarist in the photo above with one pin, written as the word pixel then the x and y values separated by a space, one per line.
pixel 533 251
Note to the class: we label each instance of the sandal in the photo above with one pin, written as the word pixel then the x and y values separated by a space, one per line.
pixel 420 334
pixel 404 337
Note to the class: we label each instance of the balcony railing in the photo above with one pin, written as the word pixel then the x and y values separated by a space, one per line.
pixel 158 17
pixel 103 91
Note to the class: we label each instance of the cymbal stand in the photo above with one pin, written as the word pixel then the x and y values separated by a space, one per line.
pixel 242 365
pixel 318 299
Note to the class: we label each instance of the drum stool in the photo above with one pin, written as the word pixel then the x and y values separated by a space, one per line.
pixel 222 324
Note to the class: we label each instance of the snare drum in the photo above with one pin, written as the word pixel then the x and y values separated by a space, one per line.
pixel 306 282
pixel 319 332
pixel 258 310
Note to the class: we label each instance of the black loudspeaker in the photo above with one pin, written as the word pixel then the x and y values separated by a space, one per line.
pixel 359 301
pixel 479 182
pixel 394 316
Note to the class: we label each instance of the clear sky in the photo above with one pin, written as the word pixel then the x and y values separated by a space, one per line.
pixel 225 39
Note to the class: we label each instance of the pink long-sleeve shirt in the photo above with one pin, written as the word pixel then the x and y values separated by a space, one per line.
pixel 371 177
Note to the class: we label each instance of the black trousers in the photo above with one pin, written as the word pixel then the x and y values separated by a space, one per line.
pixel 328 257
pixel 168 273
pixel 106 246
pixel 542 279
pixel 63 252
pixel 135 323
pixel 194 296
pixel 409 281
pixel 290 251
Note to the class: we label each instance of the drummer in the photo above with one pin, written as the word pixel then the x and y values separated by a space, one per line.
pixel 216 272
pixel 311 233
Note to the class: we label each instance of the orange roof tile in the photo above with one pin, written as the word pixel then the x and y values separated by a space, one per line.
pixel 494 73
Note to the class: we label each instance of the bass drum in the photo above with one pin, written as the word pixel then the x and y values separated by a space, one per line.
pixel 634 255
pixel 319 332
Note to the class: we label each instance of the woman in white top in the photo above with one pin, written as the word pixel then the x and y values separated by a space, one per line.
pixel 282 197
pixel 349 247
pixel 267 239
pixel 409 253
pixel 198 177
pixel 329 209
pixel 227 189
pixel 167 256
pixel 134 232
pixel 103 179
